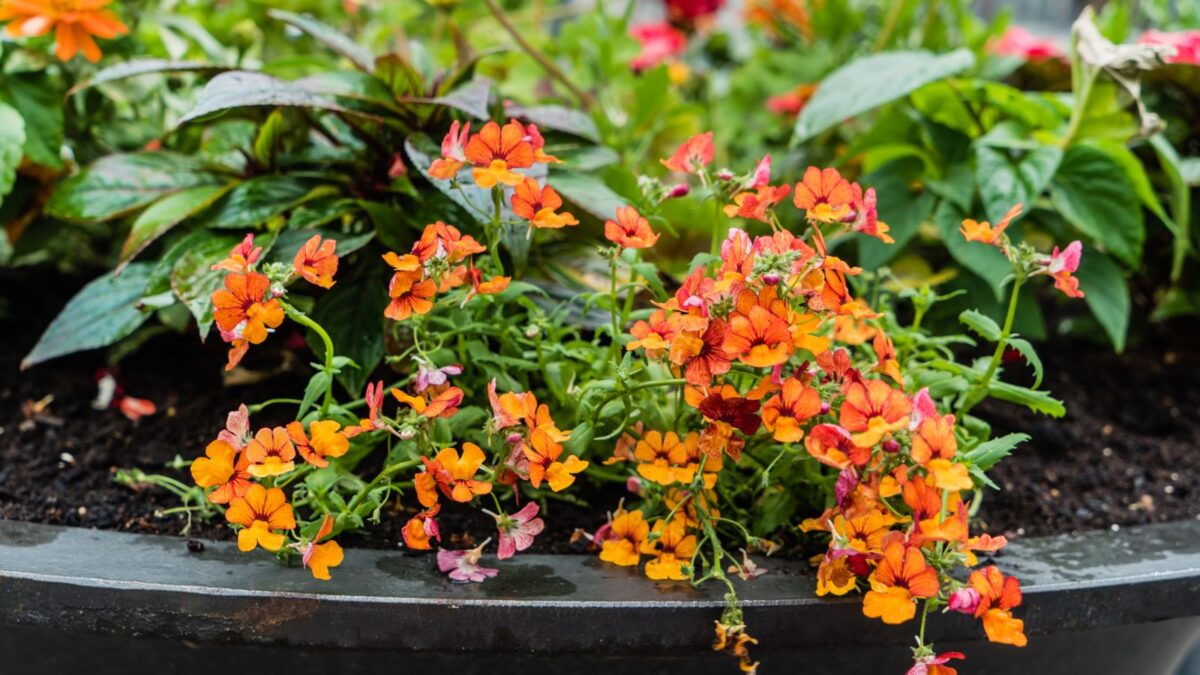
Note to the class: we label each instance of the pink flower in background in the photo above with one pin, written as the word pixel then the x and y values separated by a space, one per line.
pixel 517 530
pixel 463 566
pixel 659 41
pixel 690 10
pixel 1186 44
pixel 790 103
pixel 1017 41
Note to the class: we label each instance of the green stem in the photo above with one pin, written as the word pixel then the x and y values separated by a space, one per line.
pixel 304 320
pixel 614 350
pixel 1079 108
pixel 385 473
pixel 494 237
pixel 978 392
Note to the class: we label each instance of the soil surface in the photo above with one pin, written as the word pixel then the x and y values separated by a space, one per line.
pixel 1127 453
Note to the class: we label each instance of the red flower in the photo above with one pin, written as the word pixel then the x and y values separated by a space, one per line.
pixel 702 356
pixel 692 155
pixel 630 229
pixel 659 43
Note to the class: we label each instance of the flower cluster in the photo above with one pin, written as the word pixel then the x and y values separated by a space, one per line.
pixel 440 261
pixel 76 24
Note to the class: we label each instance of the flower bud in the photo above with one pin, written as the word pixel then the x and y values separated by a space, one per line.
pixel 680 190
pixel 825 408
pixel 515 438
pixel 850 217
pixel 772 279
pixel 634 485
pixel 965 600
pixel 532 332
pixel 891 446
pixel 407 433
pixel 725 174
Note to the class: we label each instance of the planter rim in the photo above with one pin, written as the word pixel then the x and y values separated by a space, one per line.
pixel 114 582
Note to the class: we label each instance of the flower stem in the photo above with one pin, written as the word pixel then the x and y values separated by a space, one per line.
pixel 494 243
pixel 978 392
pixel 387 471
pixel 304 320
pixel 614 349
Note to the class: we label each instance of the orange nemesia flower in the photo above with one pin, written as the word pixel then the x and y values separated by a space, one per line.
pixel 455 475
pixel 998 595
pixel 270 453
pixel 327 440
pixel 317 262
pixel 786 412
pixel 654 335
pixel 756 204
pixel 409 291
pixel 496 151
pixel 540 205
pixel 672 551
pixel 934 438
pixel 984 233
pixel 833 446
pixel 702 356
pixel 885 352
pixel 825 196
pixel 75 24
pixel 900 577
pixel 439 240
pixel 317 557
pixel 222 467
pixel 454 156
pixel 443 404
pixel 240 310
pixel 663 458
pixel 261 512
pixel 630 229
pixel 543 452
pixel 758 336
pixel 872 409
pixel 626 536
pixel 692 155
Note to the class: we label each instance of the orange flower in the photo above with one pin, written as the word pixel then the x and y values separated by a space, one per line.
pixel 495 152
pixel 497 284
pixel 444 404
pixel 653 336
pixel 453 156
pixel 833 446
pixel 755 205
pixel 663 459
pixel 317 262
pixel 757 335
pixel 726 411
pixel 998 595
pixel 702 356
pixel 672 551
pixel 75 23
pixel 934 438
pixel 984 232
pixel 317 557
pixel 270 453
pixel 692 155
pixel 626 536
pixel 872 409
pixel 261 513
pixel 534 136
pixel 439 240
pixel 242 257
pixel 824 195
pixel 241 311
pixel 540 205
pixel 409 291
pixel 543 452
pixel 455 475
pixel 630 229
pixel 887 364
pixel 327 441
pixel 224 469
pixel 849 330
pixel 421 529
pixel 901 577
pixel 786 412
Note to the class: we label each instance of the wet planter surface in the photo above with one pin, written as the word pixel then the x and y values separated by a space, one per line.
pixel 1100 602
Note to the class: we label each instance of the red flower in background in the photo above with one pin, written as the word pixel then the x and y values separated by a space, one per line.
pixel 1017 41
pixel 688 11
pixel 1186 44
pixel 660 42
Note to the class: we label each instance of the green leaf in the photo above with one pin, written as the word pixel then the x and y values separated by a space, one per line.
pixel 317 385
pixel 165 214
pixel 1037 401
pixel 989 453
pixel 1107 294
pixel 982 324
pixel 471 98
pixel 266 142
pixel 871 81
pixel 259 199
pixel 244 89
pixel 328 36
pixel 352 313
pixel 105 311
pixel 36 97
pixel 119 184
pixel 1093 193
pixel 588 192
pixel 1026 349
pixel 1135 172
pixel 902 208
pixel 984 260
pixel 12 143
pixel 558 118
pixel 145 67
pixel 193 280
pixel 1008 177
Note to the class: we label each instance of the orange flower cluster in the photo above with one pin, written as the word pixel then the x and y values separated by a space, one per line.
pixel 440 261
pixel 1060 265
pixel 76 24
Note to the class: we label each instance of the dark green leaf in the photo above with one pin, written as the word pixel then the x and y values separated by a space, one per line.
pixel 330 37
pixel 871 81
pixel 987 454
pixel 259 199
pixel 165 214
pixel 145 67
pixel 1107 295
pixel 900 206
pixel 38 100
pixel 119 184
pixel 1008 177
pixel 352 313
pixel 1093 193
pixel 105 311
pixel 244 89
pixel 317 385
pixel 12 142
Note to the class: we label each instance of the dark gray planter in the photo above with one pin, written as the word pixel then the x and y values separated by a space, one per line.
pixel 74 600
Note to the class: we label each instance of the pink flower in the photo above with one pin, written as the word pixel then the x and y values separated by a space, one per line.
pixel 965 600
pixel 748 569
pixel 762 173
pixel 660 42
pixel 923 408
pixel 921 667
pixel 237 428
pixel 847 480
pixel 135 409
pixel 1062 265
pixel 434 377
pixel 690 10
pixel 679 190
pixel 463 566
pixel 1186 44
pixel 1017 41
pixel 374 399
pixel 517 530
pixel 634 485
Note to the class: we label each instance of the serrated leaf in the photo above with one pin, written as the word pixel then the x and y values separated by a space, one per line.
pixel 987 454
pixel 1037 401
pixel 1025 348
pixel 871 81
pixel 105 311
pixel 119 184
pixel 982 324
pixel 165 214
pixel 328 36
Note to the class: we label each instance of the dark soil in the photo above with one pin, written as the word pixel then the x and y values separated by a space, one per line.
pixel 1128 451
